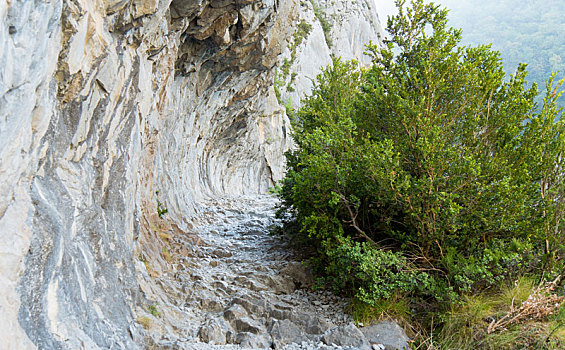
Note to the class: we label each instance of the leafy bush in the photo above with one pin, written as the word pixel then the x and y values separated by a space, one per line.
pixel 374 273
pixel 488 266
pixel 434 153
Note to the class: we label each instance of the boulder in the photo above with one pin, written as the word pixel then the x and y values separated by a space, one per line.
pixel 299 274
pixel 248 325
pixel 285 332
pixel 389 334
pixel 252 305
pixel 310 323
pixel 234 312
pixel 214 331
pixel 254 341
pixel 348 335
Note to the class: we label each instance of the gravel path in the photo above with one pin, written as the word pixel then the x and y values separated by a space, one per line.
pixel 243 288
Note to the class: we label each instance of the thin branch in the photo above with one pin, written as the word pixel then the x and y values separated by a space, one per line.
pixel 353 222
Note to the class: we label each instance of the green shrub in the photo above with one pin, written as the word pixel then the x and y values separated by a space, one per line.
pixel 432 151
pixel 488 266
pixel 372 273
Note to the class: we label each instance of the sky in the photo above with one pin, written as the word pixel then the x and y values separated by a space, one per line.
pixel 385 8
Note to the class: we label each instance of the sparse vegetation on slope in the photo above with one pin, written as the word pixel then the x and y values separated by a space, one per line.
pixel 326 26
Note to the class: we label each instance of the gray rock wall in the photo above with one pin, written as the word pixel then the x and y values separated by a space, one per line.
pixel 102 104
pixel 30 37
pixel 338 27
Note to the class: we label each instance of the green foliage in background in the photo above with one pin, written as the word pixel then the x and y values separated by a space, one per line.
pixel 523 31
pixel 429 174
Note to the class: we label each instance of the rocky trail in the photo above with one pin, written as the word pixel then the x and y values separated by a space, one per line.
pixel 242 287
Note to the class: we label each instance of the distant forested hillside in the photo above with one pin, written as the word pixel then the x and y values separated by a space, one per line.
pixel 528 31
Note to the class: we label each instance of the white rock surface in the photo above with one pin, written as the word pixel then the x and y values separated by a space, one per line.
pixel 102 104
pixel 29 44
pixel 351 25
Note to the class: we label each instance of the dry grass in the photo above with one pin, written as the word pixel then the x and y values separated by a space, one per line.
pixel 541 303
pixel 167 255
pixel 145 322
pixel 165 236
pixel 524 315
pixel 394 309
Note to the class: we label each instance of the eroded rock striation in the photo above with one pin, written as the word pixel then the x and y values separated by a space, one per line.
pixel 112 111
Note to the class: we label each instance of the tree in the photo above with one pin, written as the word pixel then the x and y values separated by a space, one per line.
pixel 428 158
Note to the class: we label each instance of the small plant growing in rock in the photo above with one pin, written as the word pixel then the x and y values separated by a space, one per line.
pixel 161 210
pixel 289 109
pixel 275 189
pixel 277 84
pixel 301 32
pixel 153 310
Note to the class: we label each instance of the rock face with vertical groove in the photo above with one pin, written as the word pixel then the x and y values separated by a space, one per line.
pixel 334 28
pixel 112 111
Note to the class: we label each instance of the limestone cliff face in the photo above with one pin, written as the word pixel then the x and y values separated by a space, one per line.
pixel 111 108
pixel 338 28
